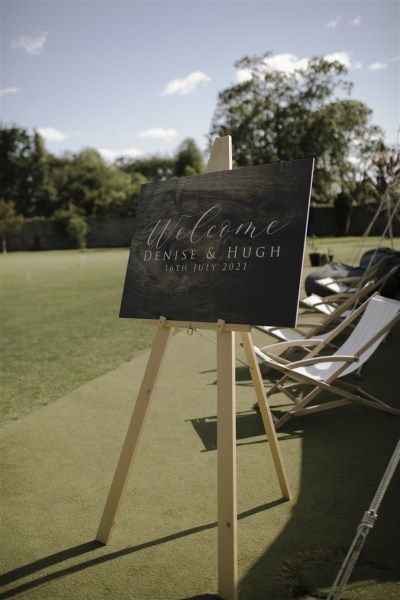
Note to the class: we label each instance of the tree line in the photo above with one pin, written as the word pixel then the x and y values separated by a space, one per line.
pixel 39 184
pixel 271 115
pixel 34 183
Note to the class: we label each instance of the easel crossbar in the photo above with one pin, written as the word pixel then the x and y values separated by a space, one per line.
pixel 196 325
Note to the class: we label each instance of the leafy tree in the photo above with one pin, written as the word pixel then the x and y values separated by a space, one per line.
pixel 24 176
pixel 74 225
pixel 153 168
pixel 379 166
pixel 125 195
pixel 86 181
pixel 84 186
pixel 384 174
pixel 189 159
pixel 10 221
pixel 275 116
pixel 40 184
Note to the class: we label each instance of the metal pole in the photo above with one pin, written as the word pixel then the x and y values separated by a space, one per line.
pixel 367 523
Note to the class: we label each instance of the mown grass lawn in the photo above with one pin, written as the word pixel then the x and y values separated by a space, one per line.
pixel 60 324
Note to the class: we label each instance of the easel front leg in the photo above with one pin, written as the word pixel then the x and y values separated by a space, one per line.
pixel 226 451
pixel 134 434
pixel 266 414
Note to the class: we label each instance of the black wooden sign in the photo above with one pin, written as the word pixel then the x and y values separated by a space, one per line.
pixel 226 245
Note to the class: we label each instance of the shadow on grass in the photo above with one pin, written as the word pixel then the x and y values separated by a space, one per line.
pixel 345 453
pixel 90 547
pixel 248 425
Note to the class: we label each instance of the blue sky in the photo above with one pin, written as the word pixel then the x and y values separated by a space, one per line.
pixel 138 77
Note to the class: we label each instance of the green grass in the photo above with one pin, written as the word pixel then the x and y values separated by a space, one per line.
pixel 60 328
pixel 347 250
pixel 60 324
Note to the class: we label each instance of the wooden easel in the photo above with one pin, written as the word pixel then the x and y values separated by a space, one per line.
pixel 221 159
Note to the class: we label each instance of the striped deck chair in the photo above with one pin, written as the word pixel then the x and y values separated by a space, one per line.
pixel 324 373
pixel 292 339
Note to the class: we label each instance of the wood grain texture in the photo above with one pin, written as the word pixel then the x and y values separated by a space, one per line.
pixel 221 245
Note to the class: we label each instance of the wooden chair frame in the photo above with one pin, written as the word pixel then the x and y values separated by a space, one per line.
pixel 368 342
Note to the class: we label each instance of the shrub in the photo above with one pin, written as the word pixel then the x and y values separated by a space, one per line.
pixel 74 225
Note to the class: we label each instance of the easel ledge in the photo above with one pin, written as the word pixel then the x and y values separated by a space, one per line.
pixel 219 326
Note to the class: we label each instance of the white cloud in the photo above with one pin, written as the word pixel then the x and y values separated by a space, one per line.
pixel 356 21
pixel 131 152
pixel 288 63
pixel 186 85
pixel 342 57
pixel 111 154
pixel 377 66
pixel 158 133
pixel 31 44
pixel 243 75
pixel 50 134
pixel 333 23
pixel 9 90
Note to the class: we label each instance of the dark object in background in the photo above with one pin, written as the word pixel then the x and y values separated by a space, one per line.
pixel 343 208
pixel 391 287
pixel 318 259
pixel 339 271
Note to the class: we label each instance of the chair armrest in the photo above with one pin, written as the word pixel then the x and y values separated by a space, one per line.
pixel 327 299
pixel 317 359
pixel 334 297
pixel 355 279
pixel 290 344
pixel 266 358
pixel 303 325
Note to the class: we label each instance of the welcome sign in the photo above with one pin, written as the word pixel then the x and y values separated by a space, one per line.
pixel 226 245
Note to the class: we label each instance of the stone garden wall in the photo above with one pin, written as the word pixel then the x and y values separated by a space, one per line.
pixel 43 234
